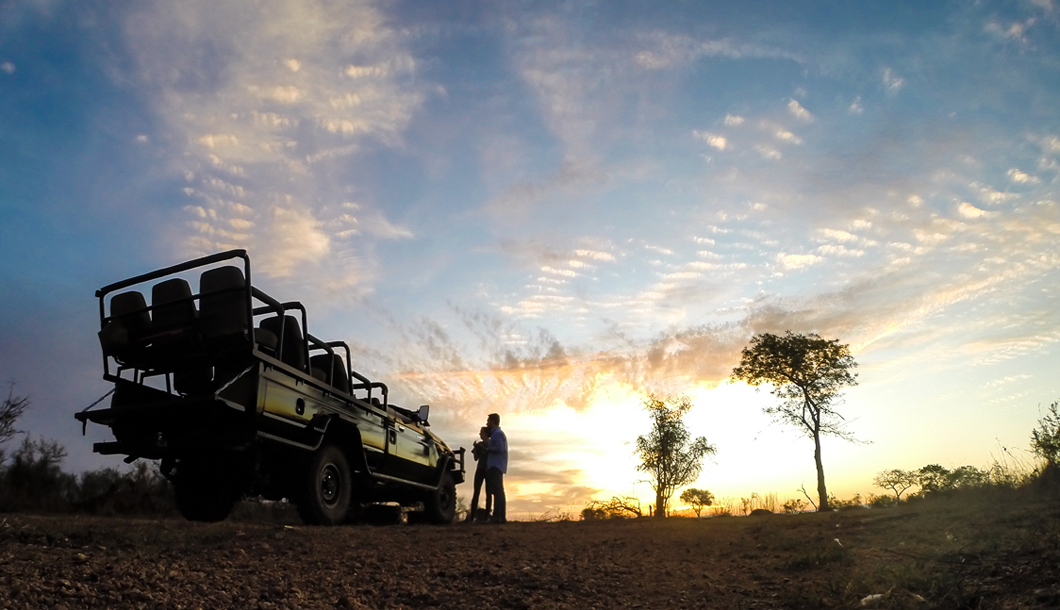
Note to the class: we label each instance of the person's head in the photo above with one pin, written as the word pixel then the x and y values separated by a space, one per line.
pixel 493 421
pixel 484 433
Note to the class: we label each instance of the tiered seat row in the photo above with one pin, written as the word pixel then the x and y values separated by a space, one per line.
pixel 185 333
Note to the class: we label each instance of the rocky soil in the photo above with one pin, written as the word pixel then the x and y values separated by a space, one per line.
pixel 951 556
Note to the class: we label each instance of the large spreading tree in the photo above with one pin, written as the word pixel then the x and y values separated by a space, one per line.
pixel 807 374
pixel 668 453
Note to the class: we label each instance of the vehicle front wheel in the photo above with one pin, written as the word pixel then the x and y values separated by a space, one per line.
pixel 440 504
pixel 327 488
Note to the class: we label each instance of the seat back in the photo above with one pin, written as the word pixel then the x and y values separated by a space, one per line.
pixel 334 370
pixel 291 342
pixel 129 321
pixel 129 309
pixel 223 302
pixel 173 306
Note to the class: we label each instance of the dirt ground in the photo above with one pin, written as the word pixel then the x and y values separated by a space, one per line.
pixel 934 555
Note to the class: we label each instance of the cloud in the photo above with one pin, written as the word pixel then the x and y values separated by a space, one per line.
pixel 1019 177
pixel 7 67
pixel 968 210
pixel 1012 31
pixel 891 82
pixel 716 141
pixel 787 136
pixel 855 106
pixel 838 250
pixel 269 102
pixel 838 235
pixel 797 261
pixel 797 111
pixel 295 237
pixel 664 50
pixel 733 120
pixel 595 255
pixel 584 82
pixel 516 201
pixel 768 152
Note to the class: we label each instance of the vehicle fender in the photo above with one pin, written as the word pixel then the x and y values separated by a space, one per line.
pixel 344 434
pixel 445 464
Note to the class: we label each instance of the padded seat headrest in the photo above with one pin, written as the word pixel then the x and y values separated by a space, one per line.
pixel 334 369
pixel 130 309
pixel 172 303
pixel 224 313
pixel 289 334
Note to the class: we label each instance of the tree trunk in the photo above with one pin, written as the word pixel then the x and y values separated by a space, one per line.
pixel 660 505
pixel 822 491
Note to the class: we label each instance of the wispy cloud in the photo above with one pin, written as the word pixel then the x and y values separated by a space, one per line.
pixel 519 199
pixel 891 81
pixel 797 111
pixel 665 50
pixel 1019 177
pixel 280 92
pixel 713 140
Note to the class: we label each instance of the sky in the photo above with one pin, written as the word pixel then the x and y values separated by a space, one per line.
pixel 550 210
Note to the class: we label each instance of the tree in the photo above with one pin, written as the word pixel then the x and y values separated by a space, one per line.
pixel 1045 439
pixel 35 478
pixel 898 481
pixel 933 478
pixel 667 453
pixel 10 410
pixel 966 477
pixel 697 499
pixel 618 507
pixel 807 374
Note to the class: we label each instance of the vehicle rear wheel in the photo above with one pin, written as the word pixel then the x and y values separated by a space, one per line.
pixel 203 492
pixel 440 504
pixel 327 488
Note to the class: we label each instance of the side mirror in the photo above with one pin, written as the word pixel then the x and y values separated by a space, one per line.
pixel 421 414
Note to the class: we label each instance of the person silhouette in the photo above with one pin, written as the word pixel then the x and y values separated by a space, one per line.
pixel 496 468
pixel 480 450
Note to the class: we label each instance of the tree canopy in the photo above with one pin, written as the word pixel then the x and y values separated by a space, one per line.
pixel 897 480
pixel 668 453
pixel 697 499
pixel 1045 439
pixel 11 409
pixel 807 373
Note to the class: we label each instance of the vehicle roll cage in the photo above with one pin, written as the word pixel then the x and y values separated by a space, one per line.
pixel 254 336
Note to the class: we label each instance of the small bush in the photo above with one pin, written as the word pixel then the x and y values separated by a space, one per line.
pixel 882 501
pixel 34 480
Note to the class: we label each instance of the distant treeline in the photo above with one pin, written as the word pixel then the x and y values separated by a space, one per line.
pixel 32 480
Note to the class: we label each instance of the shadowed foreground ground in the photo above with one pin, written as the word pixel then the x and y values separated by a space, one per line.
pixel 929 555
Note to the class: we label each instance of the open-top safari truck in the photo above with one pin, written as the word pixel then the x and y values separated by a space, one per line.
pixel 228 389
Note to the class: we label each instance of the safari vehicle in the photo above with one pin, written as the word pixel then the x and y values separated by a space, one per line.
pixel 230 391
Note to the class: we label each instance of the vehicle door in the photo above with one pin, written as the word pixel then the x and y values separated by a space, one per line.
pixel 411 451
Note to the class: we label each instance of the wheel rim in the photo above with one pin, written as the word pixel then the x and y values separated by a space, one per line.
pixel 330 485
pixel 445 498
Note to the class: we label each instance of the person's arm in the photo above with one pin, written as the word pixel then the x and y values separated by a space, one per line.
pixel 498 444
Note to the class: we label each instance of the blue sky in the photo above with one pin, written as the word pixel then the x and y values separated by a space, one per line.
pixel 551 209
